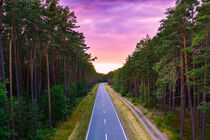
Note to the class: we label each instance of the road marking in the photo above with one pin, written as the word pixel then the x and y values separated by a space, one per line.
pixel 103 105
pixel 105 136
pixel 116 115
pixel 104 111
pixel 104 121
pixel 93 110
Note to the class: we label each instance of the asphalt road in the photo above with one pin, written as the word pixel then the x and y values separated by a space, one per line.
pixel 104 123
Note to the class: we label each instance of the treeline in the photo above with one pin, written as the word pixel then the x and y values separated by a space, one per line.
pixel 45 69
pixel 172 69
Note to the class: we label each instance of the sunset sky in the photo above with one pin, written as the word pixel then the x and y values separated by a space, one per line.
pixel 113 27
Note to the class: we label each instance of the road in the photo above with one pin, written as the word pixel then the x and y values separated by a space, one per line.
pixel 104 123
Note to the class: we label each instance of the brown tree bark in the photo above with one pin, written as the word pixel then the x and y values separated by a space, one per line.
pixel 169 99
pixel 182 95
pixel 204 96
pixel 31 75
pixel 188 88
pixel 65 75
pixel 173 90
pixel 48 84
pixel 53 66
pixel 10 69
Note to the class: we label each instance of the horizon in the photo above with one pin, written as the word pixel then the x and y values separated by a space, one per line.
pixel 115 41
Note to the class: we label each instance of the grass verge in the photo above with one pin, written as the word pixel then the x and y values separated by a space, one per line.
pixel 133 128
pixel 75 127
pixel 169 123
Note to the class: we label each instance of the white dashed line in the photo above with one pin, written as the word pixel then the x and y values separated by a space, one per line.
pixel 105 136
pixel 104 121
pixel 104 111
pixel 103 105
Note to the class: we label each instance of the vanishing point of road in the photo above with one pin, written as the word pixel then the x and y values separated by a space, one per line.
pixel 104 123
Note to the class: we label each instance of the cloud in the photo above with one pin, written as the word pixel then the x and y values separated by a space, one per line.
pixel 113 27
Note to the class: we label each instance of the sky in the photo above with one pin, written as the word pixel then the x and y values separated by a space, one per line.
pixel 112 28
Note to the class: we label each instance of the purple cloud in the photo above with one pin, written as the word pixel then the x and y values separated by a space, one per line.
pixel 113 27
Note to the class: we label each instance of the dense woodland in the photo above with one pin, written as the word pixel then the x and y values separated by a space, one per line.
pixel 45 69
pixel 171 71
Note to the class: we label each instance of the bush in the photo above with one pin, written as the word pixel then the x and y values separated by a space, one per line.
pixel 43 134
pixel 26 114
pixel 141 98
pixel 59 107
pixel 4 134
pixel 145 113
pixel 153 112
pixel 123 92
pixel 78 100
pixel 134 101
pixel 176 137
pixel 158 121
pixel 169 118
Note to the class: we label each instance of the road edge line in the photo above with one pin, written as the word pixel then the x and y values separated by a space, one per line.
pixel 148 125
pixel 87 134
pixel 116 115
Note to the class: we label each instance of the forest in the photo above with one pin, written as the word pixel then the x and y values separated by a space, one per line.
pixel 171 71
pixel 45 69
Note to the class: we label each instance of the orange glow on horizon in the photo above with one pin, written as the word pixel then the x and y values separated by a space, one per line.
pixel 106 67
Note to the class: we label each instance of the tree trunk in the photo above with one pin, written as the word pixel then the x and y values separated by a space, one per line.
pixel 204 96
pixel 32 79
pixel 35 73
pixel 53 66
pixel 19 67
pixel 10 69
pixel 144 87
pixel 194 96
pixel 3 73
pixel 40 78
pixel 65 75
pixel 188 89
pixel 136 88
pixel 48 84
pixel 148 93
pixel 154 95
pixel 16 70
pixel 174 86
pixel 75 76
pixel 17 80
pixel 182 95
pixel 164 103
pixel 169 99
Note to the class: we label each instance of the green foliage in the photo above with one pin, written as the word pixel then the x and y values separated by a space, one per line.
pixel 175 137
pixel 141 99
pixel 169 118
pixel 204 106
pixel 4 130
pixel 134 101
pixel 123 92
pixel 26 114
pixel 158 121
pixel 145 113
pixel 59 107
pixel 44 134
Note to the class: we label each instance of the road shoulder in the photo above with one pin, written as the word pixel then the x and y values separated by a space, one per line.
pixel 133 128
pixel 75 127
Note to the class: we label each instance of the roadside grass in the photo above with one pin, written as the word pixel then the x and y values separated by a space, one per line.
pixel 94 89
pixel 169 123
pixel 133 128
pixel 75 127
